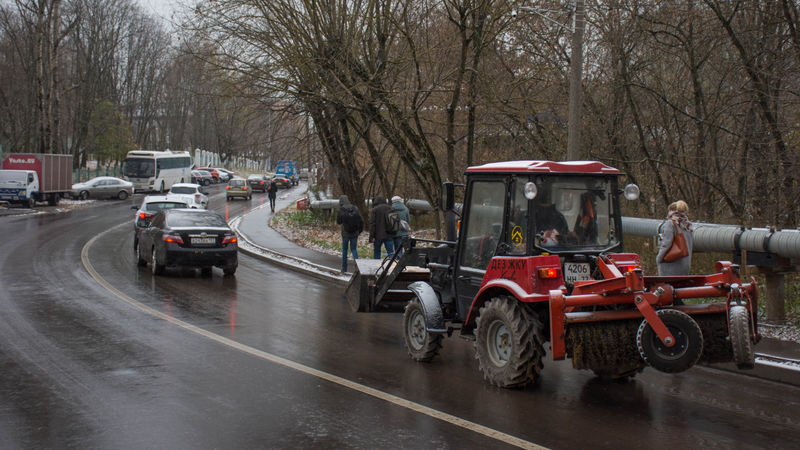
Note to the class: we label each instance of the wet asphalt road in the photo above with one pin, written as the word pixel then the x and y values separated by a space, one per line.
pixel 182 361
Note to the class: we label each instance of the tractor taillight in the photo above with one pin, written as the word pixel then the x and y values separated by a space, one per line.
pixel 548 273
pixel 229 239
pixel 227 188
pixel 174 238
pixel 627 269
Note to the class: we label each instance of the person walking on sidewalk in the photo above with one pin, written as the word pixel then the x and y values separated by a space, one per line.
pixel 272 192
pixel 402 212
pixel 677 221
pixel 378 234
pixel 352 225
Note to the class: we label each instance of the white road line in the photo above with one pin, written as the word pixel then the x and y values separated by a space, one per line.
pixel 399 401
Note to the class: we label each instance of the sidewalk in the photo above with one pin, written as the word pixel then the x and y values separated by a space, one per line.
pixel 261 241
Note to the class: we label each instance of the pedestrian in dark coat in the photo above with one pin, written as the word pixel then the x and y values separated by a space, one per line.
pixel 677 216
pixel 272 192
pixel 349 217
pixel 402 212
pixel 378 235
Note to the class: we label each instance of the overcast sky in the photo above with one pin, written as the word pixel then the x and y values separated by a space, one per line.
pixel 161 8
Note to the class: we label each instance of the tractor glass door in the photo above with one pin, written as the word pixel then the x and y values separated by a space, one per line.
pixel 482 229
pixel 516 239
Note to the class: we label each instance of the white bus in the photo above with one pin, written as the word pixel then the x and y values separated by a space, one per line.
pixel 157 171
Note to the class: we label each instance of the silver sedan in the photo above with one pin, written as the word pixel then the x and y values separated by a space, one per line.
pixel 102 187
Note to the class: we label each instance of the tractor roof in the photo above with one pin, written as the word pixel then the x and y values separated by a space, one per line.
pixel 594 167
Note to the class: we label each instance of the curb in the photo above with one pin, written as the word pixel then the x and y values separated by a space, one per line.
pixel 248 247
pixel 764 370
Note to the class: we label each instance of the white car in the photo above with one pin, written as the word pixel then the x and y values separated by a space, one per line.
pixel 191 193
pixel 149 207
pixel 225 175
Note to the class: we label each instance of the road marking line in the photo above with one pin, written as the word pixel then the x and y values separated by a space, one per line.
pixel 399 401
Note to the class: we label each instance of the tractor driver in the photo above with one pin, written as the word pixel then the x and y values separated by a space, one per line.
pixel 551 226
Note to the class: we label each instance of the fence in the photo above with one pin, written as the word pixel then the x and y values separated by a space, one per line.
pixel 84 174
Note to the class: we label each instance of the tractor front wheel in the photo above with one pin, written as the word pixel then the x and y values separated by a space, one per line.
pixel 508 343
pixel 741 338
pixel 680 356
pixel 421 345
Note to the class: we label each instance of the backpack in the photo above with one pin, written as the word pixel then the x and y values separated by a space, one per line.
pixel 393 222
pixel 351 220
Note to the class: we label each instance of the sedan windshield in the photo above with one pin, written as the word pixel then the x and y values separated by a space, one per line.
pixel 183 190
pixel 158 206
pixel 195 218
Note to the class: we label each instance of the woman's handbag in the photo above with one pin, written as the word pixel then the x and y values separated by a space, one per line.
pixel 678 249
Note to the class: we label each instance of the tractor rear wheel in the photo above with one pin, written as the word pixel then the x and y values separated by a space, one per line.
pixel 508 343
pixel 421 345
pixel 683 354
pixel 741 338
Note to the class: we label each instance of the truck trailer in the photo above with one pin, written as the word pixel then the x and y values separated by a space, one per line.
pixel 27 178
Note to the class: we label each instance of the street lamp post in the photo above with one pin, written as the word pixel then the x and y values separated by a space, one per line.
pixel 576 77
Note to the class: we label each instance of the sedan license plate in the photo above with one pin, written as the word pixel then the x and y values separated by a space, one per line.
pixel 576 271
pixel 204 241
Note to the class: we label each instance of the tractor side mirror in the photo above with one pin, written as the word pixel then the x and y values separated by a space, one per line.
pixel 448 196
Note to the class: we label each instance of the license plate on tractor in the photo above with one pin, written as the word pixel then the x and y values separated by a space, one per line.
pixel 576 272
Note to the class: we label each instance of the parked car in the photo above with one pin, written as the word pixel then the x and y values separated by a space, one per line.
pixel 189 238
pixel 202 177
pixel 237 187
pixel 258 182
pixel 191 193
pixel 225 175
pixel 214 173
pixel 149 207
pixel 102 187
pixel 282 181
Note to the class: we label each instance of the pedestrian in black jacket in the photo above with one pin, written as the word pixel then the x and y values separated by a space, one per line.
pixel 352 225
pixel 272 192
pixel 378 235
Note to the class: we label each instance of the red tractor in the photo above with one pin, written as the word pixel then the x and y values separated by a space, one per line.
pixel 538 257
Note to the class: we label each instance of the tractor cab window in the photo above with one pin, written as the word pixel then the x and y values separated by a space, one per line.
pixel 573 213
pixel 484 224
pixel 518 219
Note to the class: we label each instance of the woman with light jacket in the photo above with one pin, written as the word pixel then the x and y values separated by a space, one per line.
pixel 677 216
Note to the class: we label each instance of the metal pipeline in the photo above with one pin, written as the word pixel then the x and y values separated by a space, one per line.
pixel 709 237
pixel 414 205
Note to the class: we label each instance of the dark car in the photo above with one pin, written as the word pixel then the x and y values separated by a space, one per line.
pixel 150 206
pixel 282 181
pixel 189 238
pixel 202 177
pixel 258 182
pixel 214 173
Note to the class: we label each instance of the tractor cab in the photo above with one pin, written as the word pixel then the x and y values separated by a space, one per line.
pixel 524 209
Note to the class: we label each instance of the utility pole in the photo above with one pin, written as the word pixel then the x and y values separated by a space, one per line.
pixel 575 85
pixel 575 76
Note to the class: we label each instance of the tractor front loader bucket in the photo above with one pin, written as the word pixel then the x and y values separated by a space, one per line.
pixel 382 285
pixel 626 321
